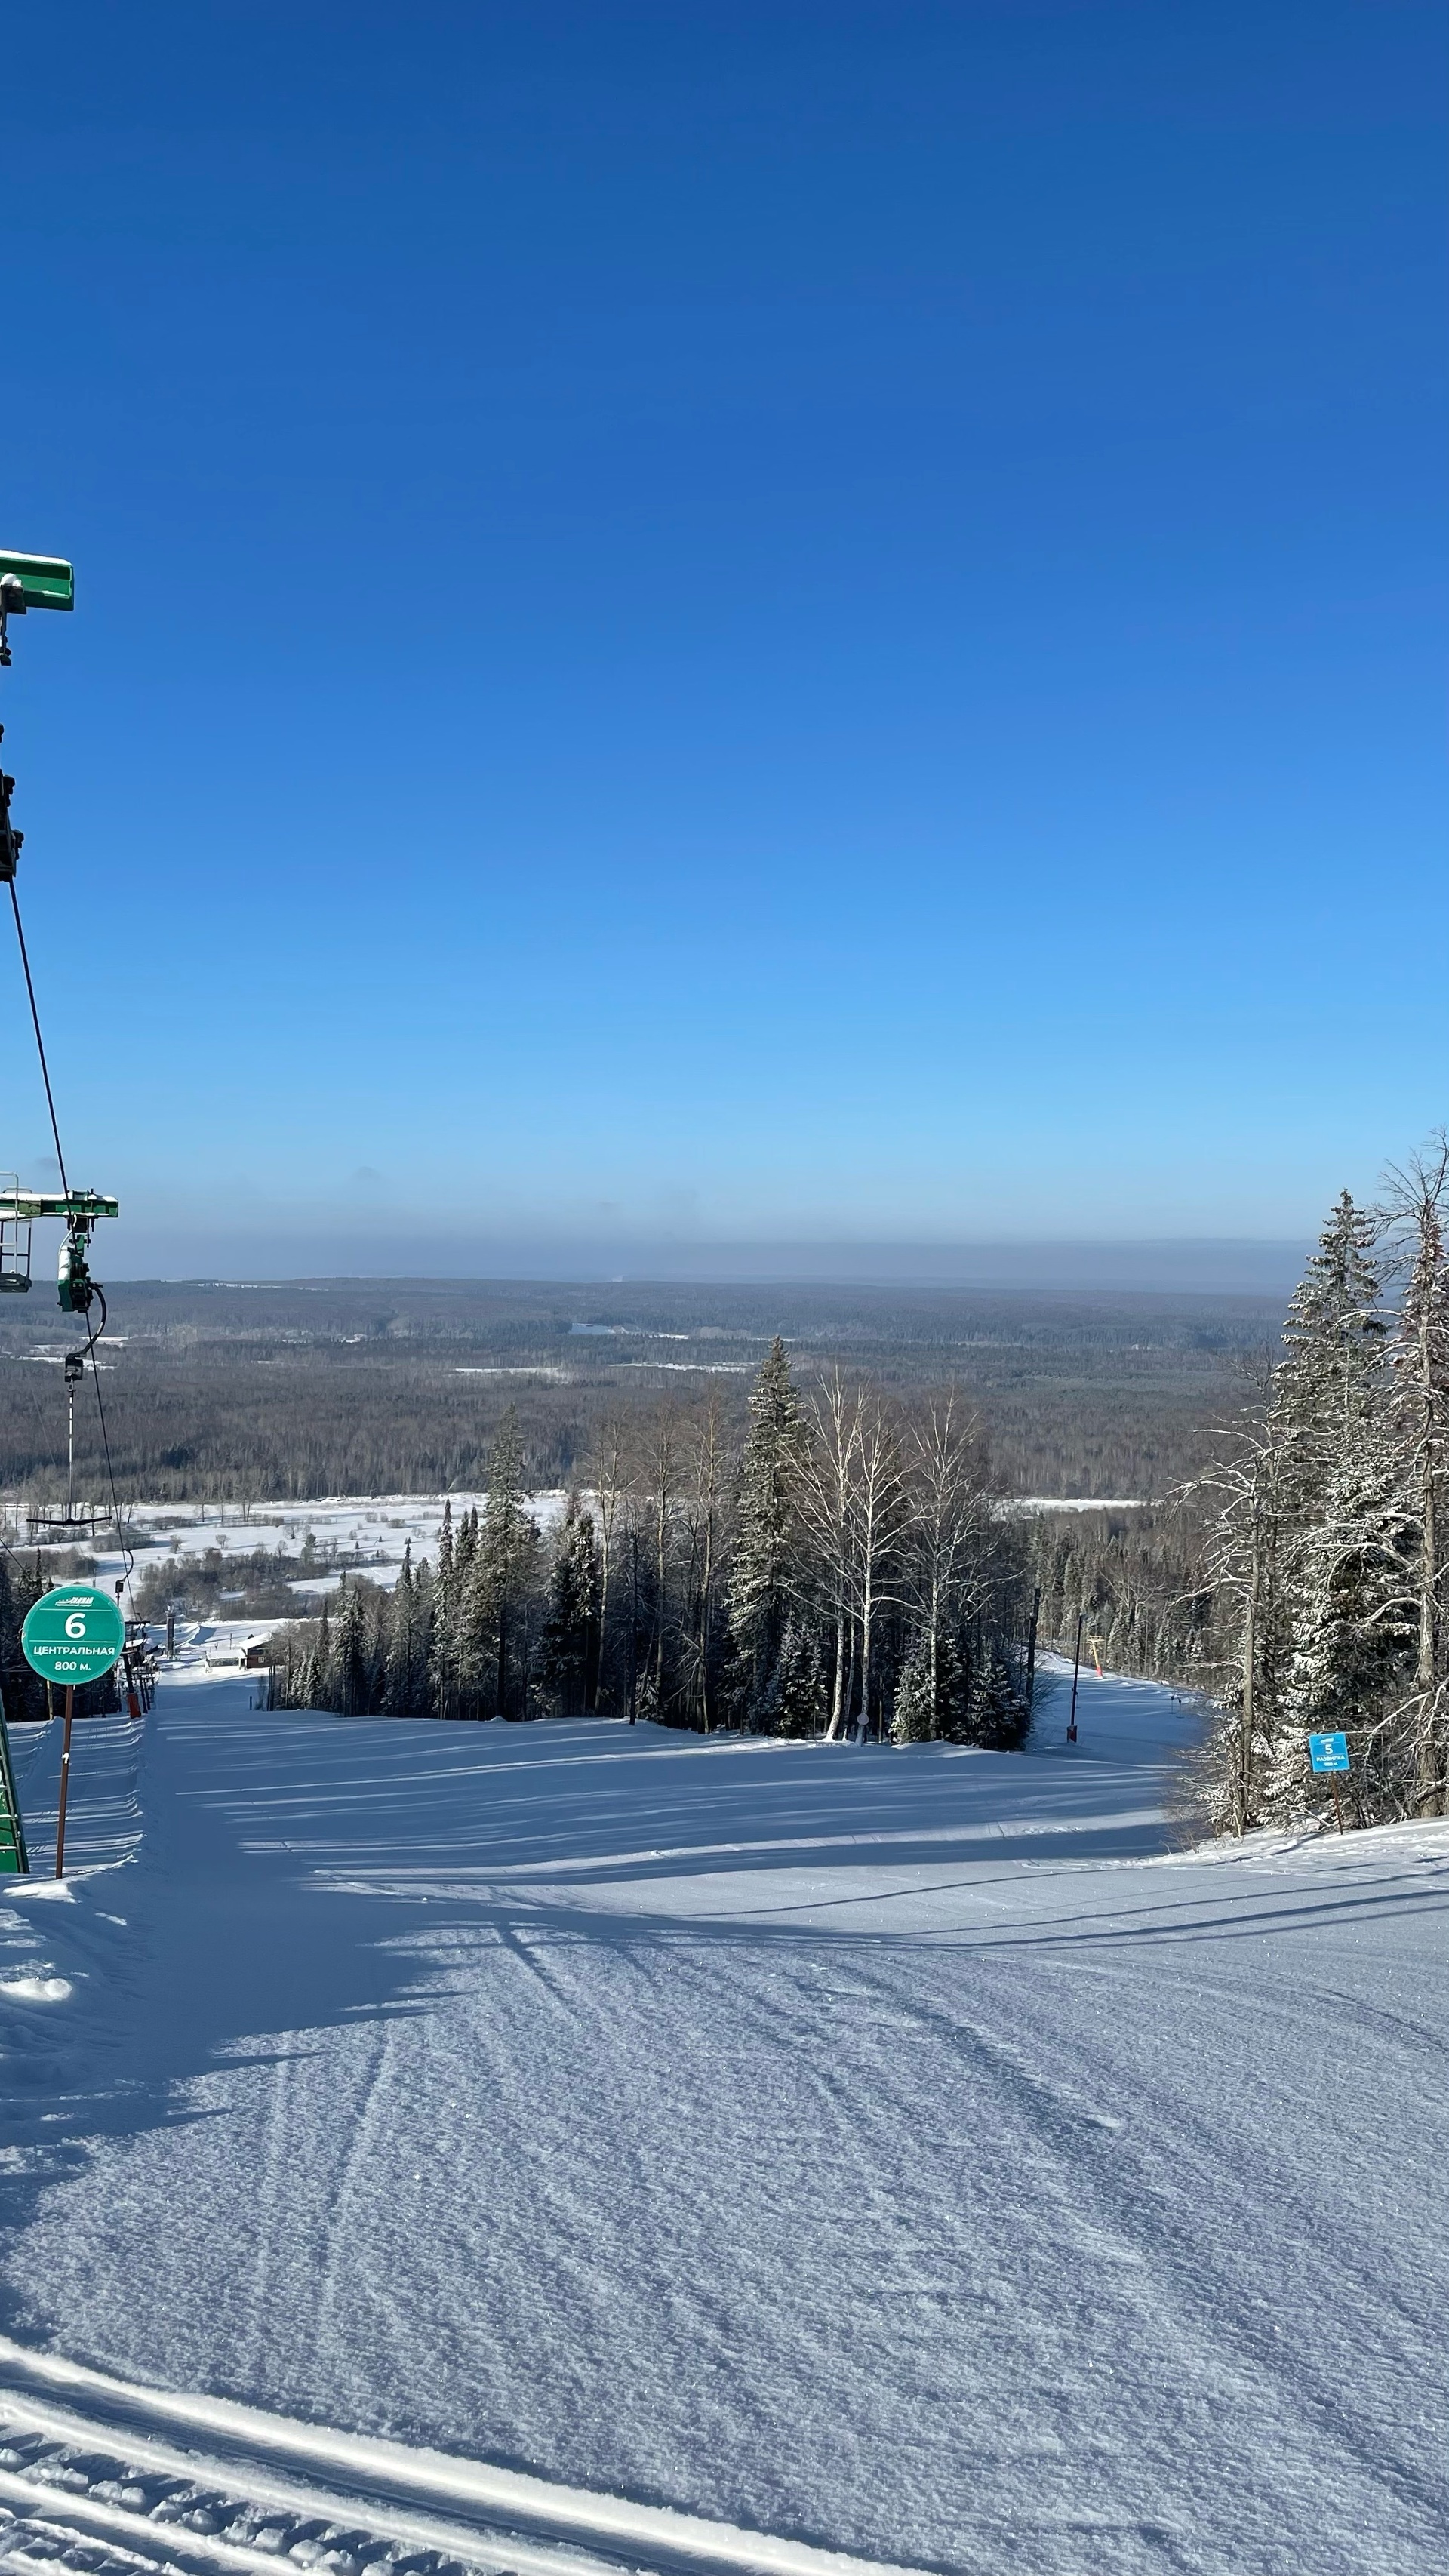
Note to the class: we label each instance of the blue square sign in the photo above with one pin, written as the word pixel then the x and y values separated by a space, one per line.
pixel 1328 1752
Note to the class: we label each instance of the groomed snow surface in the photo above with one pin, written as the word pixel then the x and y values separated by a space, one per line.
pixel 913 2154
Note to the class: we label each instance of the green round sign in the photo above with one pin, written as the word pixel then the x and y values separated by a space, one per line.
pixel 73 1634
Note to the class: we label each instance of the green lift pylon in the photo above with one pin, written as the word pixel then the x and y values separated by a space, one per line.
pixel 14 1858
pixel 26 582
pixel 19 1210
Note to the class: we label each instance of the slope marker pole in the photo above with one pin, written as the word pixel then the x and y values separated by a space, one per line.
pixel 64 1784
pixel 1076 1677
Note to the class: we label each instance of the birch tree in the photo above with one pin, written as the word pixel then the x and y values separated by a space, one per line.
pixel 706 1443
pixel 827 1485
pixel 610 1477
pixel 878 1515
pixel 947 1540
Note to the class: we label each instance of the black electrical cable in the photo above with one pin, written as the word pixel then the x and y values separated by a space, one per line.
pixel 39 1040
pixel 127 1552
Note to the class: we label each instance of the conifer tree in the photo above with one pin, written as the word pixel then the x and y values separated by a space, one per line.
pixel 759 1590
pixel 1345 1533
pixel 932 1699
pixel 443 1648
pixel 568 1647
pixel 504 1546
pixel 321 1693
pixel 794 1702
pixel 1331 1371
pixel 404 1689
pixel 348 1671
pixel 1419 1363
pixel 999 1716
pixel 1248 1555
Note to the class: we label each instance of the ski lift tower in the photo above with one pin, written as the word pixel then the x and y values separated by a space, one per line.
pixel 26 582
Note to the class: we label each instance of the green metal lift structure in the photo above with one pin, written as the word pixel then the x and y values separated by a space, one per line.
pixel 27 582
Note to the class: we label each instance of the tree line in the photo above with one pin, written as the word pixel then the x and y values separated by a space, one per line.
pixel 1326 1547
pixel 841 1570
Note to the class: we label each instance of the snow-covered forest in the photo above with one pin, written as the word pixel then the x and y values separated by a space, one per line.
pixel 844 1569
pixel 1300 1577
pixel 1327 1550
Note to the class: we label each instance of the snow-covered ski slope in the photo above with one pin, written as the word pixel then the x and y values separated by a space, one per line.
pixel 907 2154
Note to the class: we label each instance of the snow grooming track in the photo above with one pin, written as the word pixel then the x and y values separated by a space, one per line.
pixel 105 2478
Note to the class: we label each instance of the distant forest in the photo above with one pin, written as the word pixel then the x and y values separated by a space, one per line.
pixel 294 1392
pixel 841 1570
pixel 793 1509
pixel 646 1400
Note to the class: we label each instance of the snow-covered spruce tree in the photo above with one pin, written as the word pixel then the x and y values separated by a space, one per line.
pixel 759 1588
pixel 999 1716
pixel 323 1679
pixel 933 1698
pixel 443 1644
pixel 349 1675
pixel 1419 1370
pixel 23 1690
pixel 1247 1553
pixel 1355 1635
pixel 1343 1520
pixel 496 1608
pixel 794 1702
pixel 568 1646
pixel 913 1719
pixel 405 1673
pixel 660 1472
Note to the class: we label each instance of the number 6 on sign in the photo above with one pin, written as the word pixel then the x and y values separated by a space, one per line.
pixel 71 1635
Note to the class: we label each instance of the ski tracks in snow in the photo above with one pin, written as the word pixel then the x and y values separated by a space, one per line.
pixel 1053 2216
pixel 102 2478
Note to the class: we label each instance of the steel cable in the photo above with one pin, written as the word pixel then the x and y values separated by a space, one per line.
pixel 127 1553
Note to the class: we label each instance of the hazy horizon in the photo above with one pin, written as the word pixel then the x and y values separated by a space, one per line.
pixel 1205 1267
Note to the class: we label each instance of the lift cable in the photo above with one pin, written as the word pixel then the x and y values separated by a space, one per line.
pixel 39 1040
pixel 92 1338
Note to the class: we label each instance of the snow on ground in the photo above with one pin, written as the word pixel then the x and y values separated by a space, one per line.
pixel 913 2153
pixel 366 1531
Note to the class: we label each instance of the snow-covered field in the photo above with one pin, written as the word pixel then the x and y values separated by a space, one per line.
pixel 348 1531
pixel 911 2154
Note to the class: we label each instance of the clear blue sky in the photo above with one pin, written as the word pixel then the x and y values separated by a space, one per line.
pixel 727 622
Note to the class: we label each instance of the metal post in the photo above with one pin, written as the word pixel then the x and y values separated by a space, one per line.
pixel 1076 1675
pixel 1337 1809
pixel 9 1798
pixel 1030 1649
pixel 64 1785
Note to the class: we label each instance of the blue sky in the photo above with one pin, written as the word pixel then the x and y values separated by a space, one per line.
pixel 727 623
